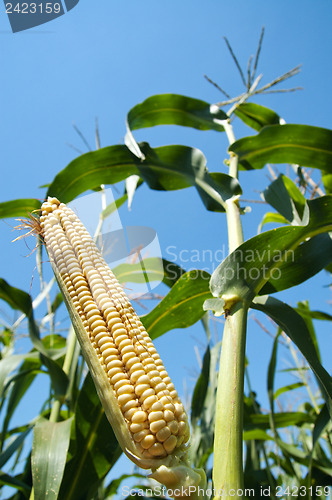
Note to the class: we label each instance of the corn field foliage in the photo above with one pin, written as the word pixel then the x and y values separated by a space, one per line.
pixel 72 458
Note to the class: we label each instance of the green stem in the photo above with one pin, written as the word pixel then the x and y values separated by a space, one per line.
pixel 228 461
pixel 228 466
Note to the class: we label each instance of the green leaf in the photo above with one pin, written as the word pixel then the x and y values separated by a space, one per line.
pixel 18 208
pixel 294 326
pixel 172 272
pixel 304 309
pixel 112 207
pixel 23 381
pixel 214 305
pixel 20 300
pixel 307 260
pixel 131 188
pixel 7 479
pixel 133 272
pixel 59 380
pixel 256 116
pixel 173 109
pixel 273 218
pixel 286 388
pixel 155 269
pixel 270 378
pixel 104 166
pixel 303 458
pixel 301 144
pixel 284 419
pixel 202 427
pixel 7 365
pixel 314 314
pixel 182 306
pixel 283 195
pixel 269 257
pixel 49 453
pixel 93 449
pixel 14 445
pixel 257 434
pixel 323 419
pixel 201 387
pixel 177 167
pixel 164 168
pixel 327 182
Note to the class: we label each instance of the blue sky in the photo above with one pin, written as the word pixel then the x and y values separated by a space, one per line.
pixel 102 58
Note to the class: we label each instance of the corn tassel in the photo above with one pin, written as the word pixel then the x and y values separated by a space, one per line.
pixel 138 397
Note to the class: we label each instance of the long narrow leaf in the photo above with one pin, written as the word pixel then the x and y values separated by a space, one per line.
pixel 10 450
pixel 182 306
pixel 301 144
pixel 93 449
pixel 49 453
pixel 256 116
pixel 294 326
pixel 164 168
pixel 174 109
pixel 18 208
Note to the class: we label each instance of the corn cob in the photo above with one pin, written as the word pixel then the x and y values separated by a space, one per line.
pixel 138 396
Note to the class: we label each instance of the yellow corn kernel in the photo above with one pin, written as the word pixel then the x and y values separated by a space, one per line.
pixel 138 396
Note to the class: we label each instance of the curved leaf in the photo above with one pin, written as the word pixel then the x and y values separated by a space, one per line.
pixel 294 326
pixel 49 453
pixel 105 166
pixel 273 218
pixel 287 388
pixel 268 257
pixel 256 116
pixel 174 109
pixel 307 260
pixel 18 208
pixel 164 168
pixel 182 306
pixel 301 144
pixel 177 167
pixel 283 195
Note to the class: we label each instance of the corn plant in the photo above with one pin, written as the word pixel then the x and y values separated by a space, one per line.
pixel 74 446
